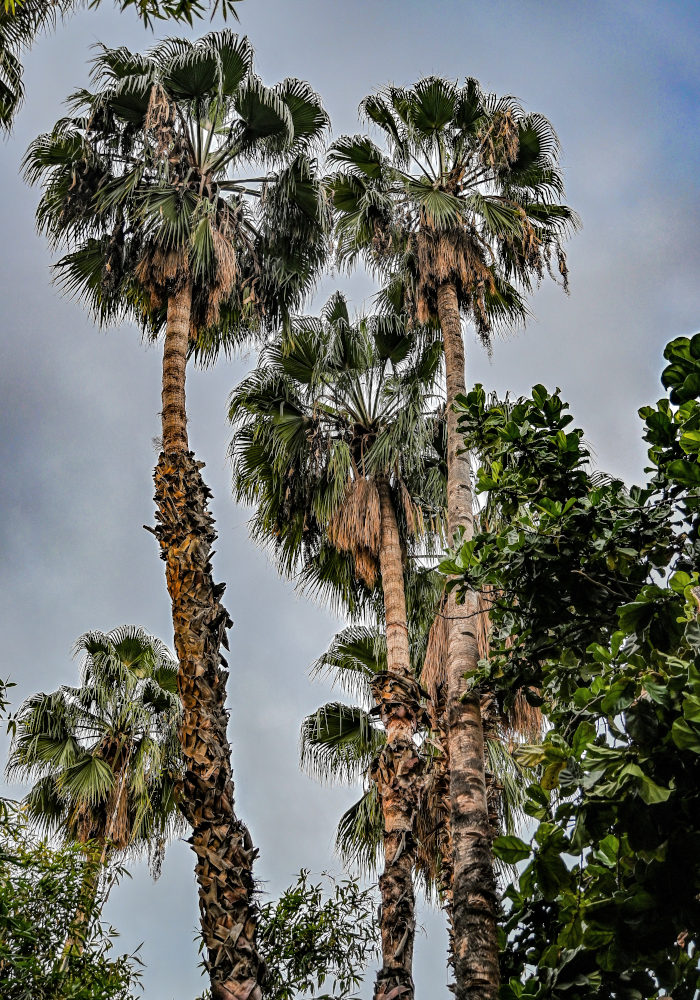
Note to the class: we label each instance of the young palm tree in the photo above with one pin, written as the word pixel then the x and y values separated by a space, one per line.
pixel 105 756
pixel 334 445
pixel 463 211
pixel 148 184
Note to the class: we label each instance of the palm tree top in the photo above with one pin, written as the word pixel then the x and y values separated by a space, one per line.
pixel 467 188
pixel 336 405
pixel 178 165
pixel 104 755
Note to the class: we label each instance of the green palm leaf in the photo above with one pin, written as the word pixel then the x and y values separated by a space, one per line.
pixel 153 168
pixel 117 729
pixel 338 742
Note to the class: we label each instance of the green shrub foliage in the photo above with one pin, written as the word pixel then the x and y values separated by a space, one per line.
pixel 595 611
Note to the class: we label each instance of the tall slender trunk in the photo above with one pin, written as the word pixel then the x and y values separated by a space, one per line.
pixel 397 770
pixel 94 866
pixel 222 844
pixel 474 899
pixel 75 940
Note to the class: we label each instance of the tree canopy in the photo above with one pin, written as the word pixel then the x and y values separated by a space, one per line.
pixel 597 619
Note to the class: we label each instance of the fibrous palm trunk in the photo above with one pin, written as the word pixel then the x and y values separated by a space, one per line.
pixel 222 844
pixel 75 940
pixel 398 769
pixel 474 900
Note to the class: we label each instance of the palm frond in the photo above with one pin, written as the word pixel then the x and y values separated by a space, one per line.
pixel 338 742
pixel 360 834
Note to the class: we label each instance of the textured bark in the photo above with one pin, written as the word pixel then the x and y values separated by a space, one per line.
pixel 397 770
pixel 474 898
pixel 222 844
pixel 440 774
pixel 174 414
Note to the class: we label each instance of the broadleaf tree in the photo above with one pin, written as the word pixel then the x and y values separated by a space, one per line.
pixel 597 619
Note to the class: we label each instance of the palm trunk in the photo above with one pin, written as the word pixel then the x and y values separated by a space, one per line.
pixel 75 941
pixel 474 899
pixel 397 769
pixel 94 866
pixel 441 784
pixel 220 841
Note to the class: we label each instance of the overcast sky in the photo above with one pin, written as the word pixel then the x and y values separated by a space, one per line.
pixel 619 80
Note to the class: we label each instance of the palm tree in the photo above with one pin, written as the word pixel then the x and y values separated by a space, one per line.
pixel 105 756
pixel 463 212
pixel 339 742
pixel 22 21
pixel 146 185
pixel 334 445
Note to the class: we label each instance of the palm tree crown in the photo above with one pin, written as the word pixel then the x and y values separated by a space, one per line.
pixel 326 415
pixel 468 191
pixel 105 755
pixel 179 167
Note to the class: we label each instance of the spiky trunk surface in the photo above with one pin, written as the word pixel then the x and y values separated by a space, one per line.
pixel 397 770
pixel 222 844
pixel 474 899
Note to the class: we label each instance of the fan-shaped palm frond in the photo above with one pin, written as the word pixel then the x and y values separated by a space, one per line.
pixel 105 755
pixel 22 21
pixel 328 412
pixel 179 166
pixel 467 190
pixel 339 742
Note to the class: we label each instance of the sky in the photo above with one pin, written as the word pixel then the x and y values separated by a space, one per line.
pixel 79 406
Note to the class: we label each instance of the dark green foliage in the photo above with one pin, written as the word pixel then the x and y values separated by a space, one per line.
pixel 570 546
pixel 180 166
pixel 334 406
pixel 41 889
pixel 317 943
pixel 465 189
pixel 104 756
pixel 22 21
pixel 597 617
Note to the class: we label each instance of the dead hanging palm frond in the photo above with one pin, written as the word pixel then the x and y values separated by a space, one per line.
pixel 119 816
pixel 432 822
pixel 415 521
pixel 226 276
pixel 434 673
pixel 161 272
pixel 160 116
pixel 524 721
pixel 500 137
pixel 454 255
pixel 355 528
